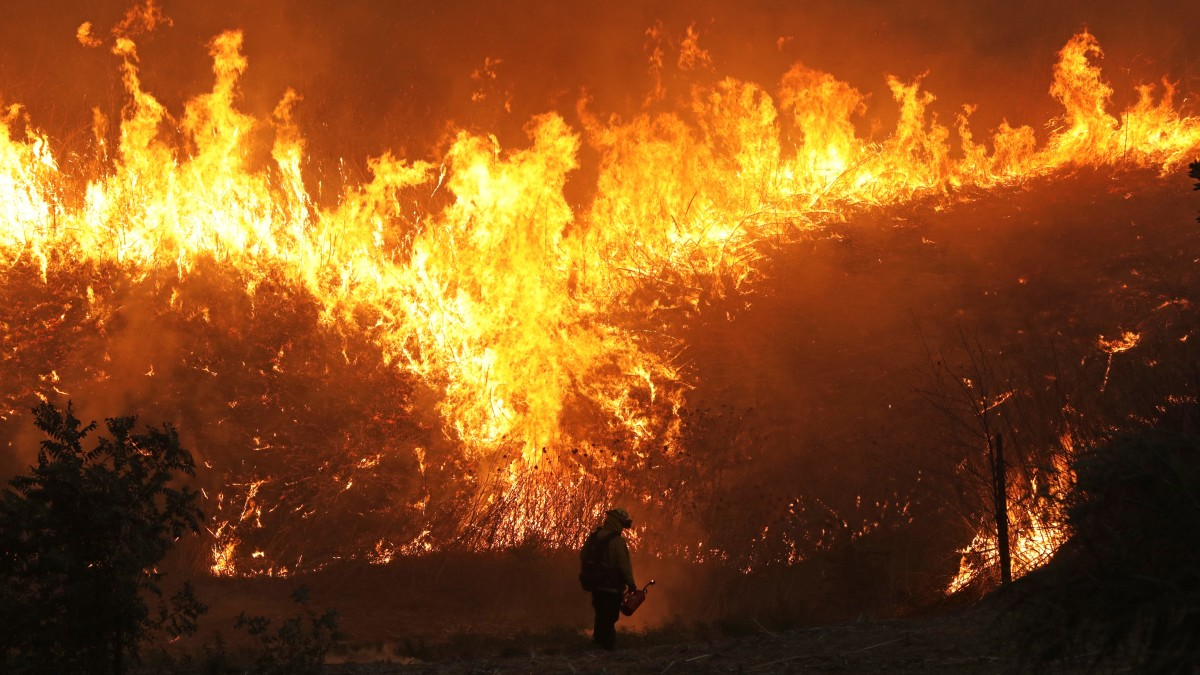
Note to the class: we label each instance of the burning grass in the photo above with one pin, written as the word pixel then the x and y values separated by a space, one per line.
pixel 1123 588
pixel 449 357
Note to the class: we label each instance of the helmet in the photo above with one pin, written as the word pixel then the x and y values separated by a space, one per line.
pixel 621 515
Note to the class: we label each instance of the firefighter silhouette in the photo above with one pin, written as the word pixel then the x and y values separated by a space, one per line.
pixel 608 573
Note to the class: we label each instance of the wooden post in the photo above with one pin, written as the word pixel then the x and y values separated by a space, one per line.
pixel 1001 503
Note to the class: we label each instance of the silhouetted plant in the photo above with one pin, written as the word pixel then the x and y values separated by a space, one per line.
pixel 299 645
pixel 1125 588
pixel 80 538
pixel 214 657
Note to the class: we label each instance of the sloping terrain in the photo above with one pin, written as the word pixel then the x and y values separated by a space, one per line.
pixel 825 360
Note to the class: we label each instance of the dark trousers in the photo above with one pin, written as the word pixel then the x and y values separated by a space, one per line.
pixel 608 608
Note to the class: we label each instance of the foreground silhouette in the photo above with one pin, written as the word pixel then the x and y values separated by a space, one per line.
pixel 80 538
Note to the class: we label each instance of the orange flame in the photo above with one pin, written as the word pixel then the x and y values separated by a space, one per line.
pixel 475 275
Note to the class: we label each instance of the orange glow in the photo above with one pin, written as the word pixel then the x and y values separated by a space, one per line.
pixel 473 273
pixel 1036 522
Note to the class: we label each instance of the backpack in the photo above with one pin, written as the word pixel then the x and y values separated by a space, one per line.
pixel 595 571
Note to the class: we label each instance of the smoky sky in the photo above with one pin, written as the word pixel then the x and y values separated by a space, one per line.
pixel 397 76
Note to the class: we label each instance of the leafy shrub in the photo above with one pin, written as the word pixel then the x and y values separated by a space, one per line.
pixel 80 538
pixel 298 646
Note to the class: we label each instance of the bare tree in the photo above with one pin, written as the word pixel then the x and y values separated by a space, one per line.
pixel 970 393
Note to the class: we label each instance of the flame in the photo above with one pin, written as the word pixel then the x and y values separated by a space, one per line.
pixel 225 539
pixel 537 324
pixel 1037 524
pixel 1127 341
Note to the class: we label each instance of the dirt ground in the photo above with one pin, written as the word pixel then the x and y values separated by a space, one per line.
pixel 387 626
pixel 959 643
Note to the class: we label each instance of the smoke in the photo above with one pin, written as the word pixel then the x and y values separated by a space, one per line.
pixel 803 418
pixel 395 76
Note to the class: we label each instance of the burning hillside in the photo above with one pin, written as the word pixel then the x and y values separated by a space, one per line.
pixel 459 352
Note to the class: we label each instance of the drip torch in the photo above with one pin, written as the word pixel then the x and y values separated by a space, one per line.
pixel 634 599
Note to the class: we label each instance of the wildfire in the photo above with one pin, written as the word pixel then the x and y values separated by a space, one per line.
pixel 1036 520
pixel 1127 341
pixel 536 324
